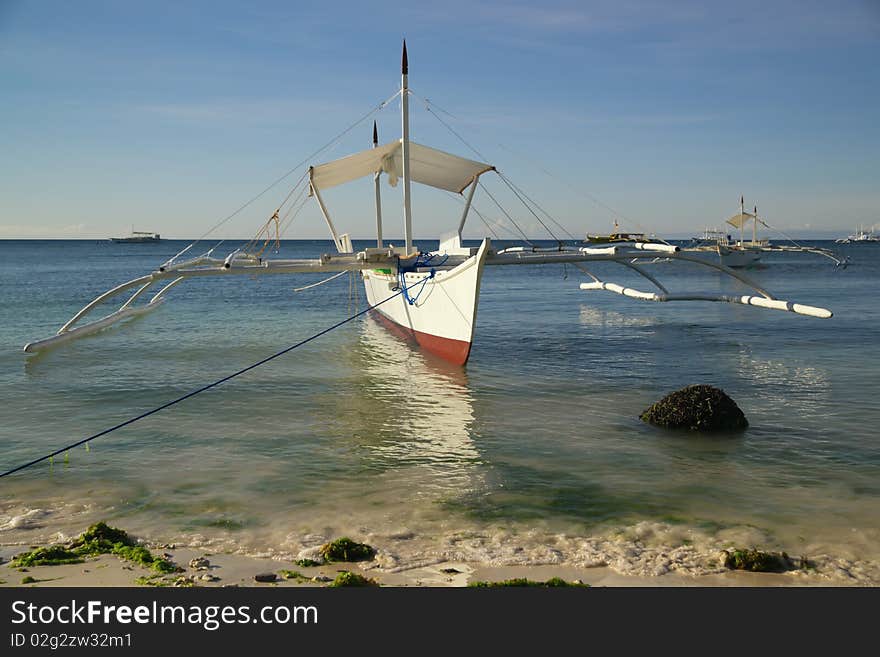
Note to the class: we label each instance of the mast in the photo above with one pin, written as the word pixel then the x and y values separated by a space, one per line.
pixel 404 118
pixel 755 226
pixel 742 236
pixel 378 195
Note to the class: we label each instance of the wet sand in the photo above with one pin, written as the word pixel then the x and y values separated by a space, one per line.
pixel 238 570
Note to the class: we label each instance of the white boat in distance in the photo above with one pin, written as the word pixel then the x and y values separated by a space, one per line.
pixel 860 237
pixel 429 296
pixel 138 236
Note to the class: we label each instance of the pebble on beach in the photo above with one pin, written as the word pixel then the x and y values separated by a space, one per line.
pixel 199 563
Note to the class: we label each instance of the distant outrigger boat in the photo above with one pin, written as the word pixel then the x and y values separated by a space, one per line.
pixel 137 236
pixel 718 245
pixel 430 296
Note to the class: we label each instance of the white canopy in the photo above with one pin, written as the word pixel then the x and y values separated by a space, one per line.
pixel 740 220
pixel 427 166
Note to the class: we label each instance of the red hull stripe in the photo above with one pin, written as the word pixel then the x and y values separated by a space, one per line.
pixel 453 351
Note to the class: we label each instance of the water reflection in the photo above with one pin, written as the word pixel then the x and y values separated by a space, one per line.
pixel 413 413
pixel 598 317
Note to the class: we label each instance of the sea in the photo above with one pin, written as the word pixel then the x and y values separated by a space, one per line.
pixel 531 454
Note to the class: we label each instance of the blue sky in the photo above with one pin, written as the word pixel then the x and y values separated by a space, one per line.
pixel 168 116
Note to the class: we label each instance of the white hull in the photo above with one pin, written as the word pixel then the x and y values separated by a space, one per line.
pixel 443 312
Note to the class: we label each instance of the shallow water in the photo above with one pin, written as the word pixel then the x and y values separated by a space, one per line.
pixel 533 453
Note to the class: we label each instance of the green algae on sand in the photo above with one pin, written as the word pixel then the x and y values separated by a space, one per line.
pixel 98 539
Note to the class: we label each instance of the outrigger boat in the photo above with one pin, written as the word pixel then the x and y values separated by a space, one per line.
pixel 430 296
pixel 717 244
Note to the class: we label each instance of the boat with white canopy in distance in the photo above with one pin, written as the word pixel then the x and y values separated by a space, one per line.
pixel 719 246
pixel 430 296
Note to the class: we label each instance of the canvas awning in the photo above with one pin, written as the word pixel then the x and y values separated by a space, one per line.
pixel 740 220
pixel 428 166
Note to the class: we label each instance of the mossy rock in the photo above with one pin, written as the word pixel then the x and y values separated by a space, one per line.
pixel 346 578
pixel 756 561
pixel 345 549
pixel 696 408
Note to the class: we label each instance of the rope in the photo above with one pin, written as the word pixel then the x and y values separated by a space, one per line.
pixel 429 104
pixel 200 390
pixel 516 190
pixel 528 207
pixel 500 207
pixel 290 171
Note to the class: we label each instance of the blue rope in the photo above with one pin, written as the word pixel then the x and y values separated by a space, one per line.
pixel 203 388
pixel 422 260
pixel 405 289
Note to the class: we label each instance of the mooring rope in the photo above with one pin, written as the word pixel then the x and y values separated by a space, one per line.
pixel 200 390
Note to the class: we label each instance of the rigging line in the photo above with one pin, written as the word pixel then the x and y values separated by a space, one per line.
pixel 332 142
pixel 790 239
pixel 287 223
pixel 614 212
pixel 533 202
pixel 510 186
pixel 461 201
pixel 428 105
pixel 326 280
pixel 595 200
pixel 527 240
pixel 202 389
pixel 487 224
pixel 266 227
pixel 450 128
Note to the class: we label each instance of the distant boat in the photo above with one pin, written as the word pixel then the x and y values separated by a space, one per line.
pixel 618 237
pixel 138 236
pixel 718 245
pixel 859 237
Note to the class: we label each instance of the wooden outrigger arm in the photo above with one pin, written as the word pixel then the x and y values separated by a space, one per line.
pixel 390 257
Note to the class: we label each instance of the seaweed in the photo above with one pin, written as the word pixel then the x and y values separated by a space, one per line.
pixel 51 555
pixel 307 563
pixel 293 574
pixel 97 539
pixel 345 549
pixel 346 578
pixel 27 579
pixel 553 582
pixel 756 561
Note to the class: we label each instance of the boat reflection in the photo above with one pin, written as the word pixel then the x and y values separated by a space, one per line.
pixel 414 413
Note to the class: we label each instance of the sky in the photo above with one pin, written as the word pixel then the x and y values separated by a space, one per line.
pixel 169 116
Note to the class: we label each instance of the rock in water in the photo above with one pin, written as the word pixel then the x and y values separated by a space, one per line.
pixel 698 408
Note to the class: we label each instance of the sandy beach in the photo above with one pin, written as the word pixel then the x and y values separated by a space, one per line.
pixel 238 570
